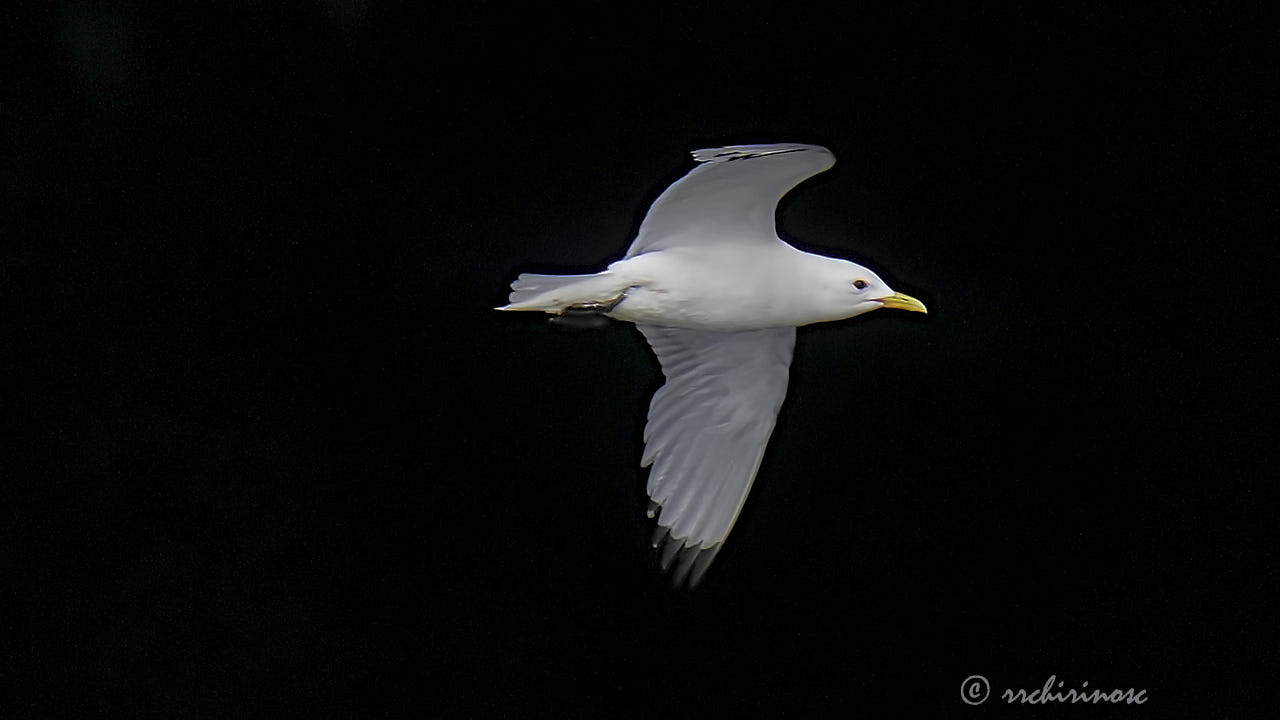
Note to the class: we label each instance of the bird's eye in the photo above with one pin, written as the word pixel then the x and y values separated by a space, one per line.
pixel 860 284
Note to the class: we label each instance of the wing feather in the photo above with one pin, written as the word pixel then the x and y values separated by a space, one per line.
pixel 708 427
pixel 731 196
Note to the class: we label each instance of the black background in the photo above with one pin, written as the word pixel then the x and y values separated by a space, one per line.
pixel 270 452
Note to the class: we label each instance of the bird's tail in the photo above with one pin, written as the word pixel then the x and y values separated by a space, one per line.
pixel 553 293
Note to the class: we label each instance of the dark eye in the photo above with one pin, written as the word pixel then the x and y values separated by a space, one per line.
pixel 860 284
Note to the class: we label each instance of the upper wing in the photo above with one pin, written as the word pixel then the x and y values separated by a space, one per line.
pixel 732 195
pixel 707 430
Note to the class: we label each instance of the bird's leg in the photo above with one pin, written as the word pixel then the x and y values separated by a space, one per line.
pixel 593 307
pixel 586 315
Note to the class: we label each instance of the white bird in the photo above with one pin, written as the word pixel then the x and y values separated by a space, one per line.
pixel 718 296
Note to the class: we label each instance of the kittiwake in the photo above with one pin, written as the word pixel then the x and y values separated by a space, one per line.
pixel 718 296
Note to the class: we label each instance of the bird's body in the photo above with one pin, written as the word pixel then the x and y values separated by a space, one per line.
pixel 719 288
pixel 718 296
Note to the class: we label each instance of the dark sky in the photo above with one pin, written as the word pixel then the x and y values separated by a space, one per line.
pixel 271 453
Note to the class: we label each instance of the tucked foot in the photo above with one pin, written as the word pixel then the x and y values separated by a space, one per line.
pixel 570 320
pixel 593 308
pixel 586 315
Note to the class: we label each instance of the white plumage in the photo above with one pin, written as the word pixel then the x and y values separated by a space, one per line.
pixel 718 296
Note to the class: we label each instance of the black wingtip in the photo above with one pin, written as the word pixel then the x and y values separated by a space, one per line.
pixel 690 561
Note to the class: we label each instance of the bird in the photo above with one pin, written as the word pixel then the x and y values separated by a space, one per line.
pixel 718 296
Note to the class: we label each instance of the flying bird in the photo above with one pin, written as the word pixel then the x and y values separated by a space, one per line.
pixel 718 295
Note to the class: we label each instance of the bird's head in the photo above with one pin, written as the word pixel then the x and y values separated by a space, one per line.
pixel 848 289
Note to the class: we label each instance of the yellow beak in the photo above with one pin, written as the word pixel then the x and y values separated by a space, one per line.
pixel 903 302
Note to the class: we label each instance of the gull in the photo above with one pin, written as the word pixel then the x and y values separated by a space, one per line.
pixel 718 296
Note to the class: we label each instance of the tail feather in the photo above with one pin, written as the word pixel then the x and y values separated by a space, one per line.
pixel 529 285
pixel 553 293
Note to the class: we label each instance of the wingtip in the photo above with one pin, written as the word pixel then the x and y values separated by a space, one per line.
pixel 690 561
pixel 743 152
